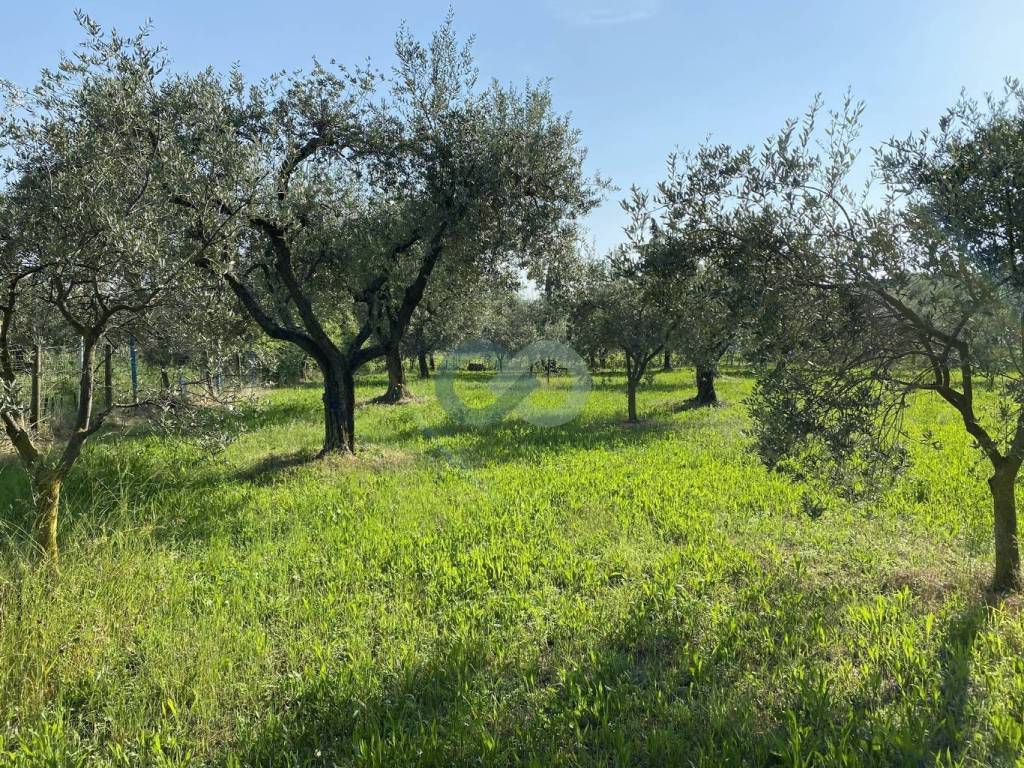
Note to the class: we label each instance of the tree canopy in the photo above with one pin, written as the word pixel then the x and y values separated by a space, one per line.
pixel 348 179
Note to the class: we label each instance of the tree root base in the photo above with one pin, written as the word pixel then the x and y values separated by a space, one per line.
pixel 394 398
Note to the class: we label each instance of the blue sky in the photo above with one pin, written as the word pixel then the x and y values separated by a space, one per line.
pixel 640 77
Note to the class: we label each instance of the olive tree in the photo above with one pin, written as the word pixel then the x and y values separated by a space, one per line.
pixel 510 324
pixel 698 240
pixel 917 294
pixel 454 310
pixel 86 236
pixel 337 194
pixel 583 329
pixel 627 308
pixel 707 327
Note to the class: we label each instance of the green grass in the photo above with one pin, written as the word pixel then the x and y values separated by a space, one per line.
pixel 593 594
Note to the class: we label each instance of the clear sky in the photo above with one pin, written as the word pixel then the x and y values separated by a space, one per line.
pixel 639 76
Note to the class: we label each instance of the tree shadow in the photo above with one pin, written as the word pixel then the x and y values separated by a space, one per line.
pixel 142 476
pixel 271 469
pixel 136 481
pixel 651 691
pixel 417 712
pixel 955 662
pixel 690 404
pixel 16 505
pixel 139 463
pixel 616 382
pixel 513 439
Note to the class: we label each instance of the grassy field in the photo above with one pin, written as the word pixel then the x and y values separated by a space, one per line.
pixel 593 594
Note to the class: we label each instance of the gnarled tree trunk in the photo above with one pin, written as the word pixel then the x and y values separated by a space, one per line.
pixel 339 411
pixel 424 368
pixel 706 394
pixel 1002 484
pixel 398 390
pixel 666 363
pixel 631 401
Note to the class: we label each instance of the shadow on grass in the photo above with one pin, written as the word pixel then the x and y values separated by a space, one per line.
pixel 691 404
pixel 411 719
pixel 615 381
pixel 269 470
pixel 136 482
pixel 144 477
pixel 133 476
pixel 15 500
pixel 648 693
pixel 514 439
pixel 951 729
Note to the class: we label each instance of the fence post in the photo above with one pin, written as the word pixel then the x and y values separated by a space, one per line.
pixel 81 368
pixel 134 361
pixel 35 408
pixel 220 367
pixel 108 375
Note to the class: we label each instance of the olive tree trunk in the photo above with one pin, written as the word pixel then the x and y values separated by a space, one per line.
pixel 339 411
pixel 706 394
pixel 631 401
pixel 398 390
pixel 1004 503
pixel 424 368
pixel 47 473
pixel 46 484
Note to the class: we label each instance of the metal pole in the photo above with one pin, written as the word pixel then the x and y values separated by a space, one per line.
pixel 134 362
pixel 35 409
pixel 108 375
pixel 220 367
pixel 81 368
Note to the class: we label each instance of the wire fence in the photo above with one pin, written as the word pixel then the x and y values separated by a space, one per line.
pixel 49 378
